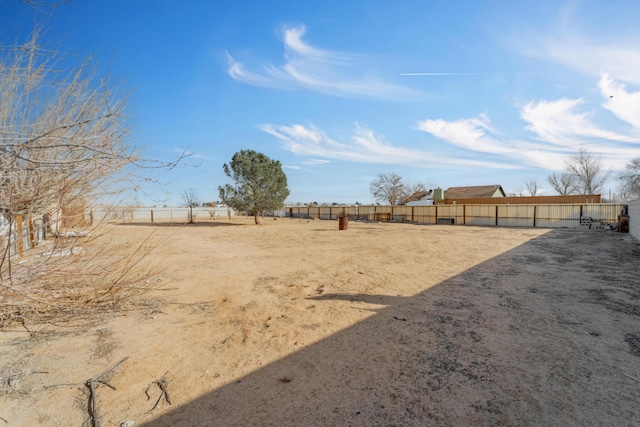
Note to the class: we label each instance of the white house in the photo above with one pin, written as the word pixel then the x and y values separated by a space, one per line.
pixel 419 198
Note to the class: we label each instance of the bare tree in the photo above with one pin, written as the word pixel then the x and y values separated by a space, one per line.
pixel 563 183
pixel 388 189
pixel 410 189
pixel 531 187
pixel 190 198
pixel 63 146
pixel 63 131
pixel 630 180
pixel 584 174
pixel 589 172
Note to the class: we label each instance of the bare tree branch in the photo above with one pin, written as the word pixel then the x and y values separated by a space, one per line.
pixel 388 189
pixel 190 198
pixel 630 180
pixel 563 183
pixel 531 187
pixel 589 172
pixel 63 148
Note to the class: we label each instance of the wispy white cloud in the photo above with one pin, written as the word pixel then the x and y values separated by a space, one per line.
pixel 293 43
pixel 579 48
pixel 570 38
pixel 314 162
pixel 305 165
pixel 558 122
pixel 237 72
pixel 365 146
pixel 553 130
pixel 309 68
pixel 536 156
pixel 471 134
pixel 620 60
pixel 478 136
pixel 559 129
pixel 556 128
pixel 624 105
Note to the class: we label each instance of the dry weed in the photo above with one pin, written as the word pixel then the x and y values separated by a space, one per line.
pixel 75 279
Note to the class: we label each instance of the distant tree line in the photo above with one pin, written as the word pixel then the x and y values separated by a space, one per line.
pixel 585 174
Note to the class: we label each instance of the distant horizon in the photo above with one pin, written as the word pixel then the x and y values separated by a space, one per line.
pixel 332 204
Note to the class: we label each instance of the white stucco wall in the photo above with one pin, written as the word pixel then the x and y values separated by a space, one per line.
pixel 423 202
pixel 634 218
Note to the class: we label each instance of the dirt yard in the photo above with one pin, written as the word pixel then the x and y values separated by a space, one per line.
pixel 297 323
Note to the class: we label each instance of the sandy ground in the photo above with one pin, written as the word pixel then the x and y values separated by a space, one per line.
pixel 297 323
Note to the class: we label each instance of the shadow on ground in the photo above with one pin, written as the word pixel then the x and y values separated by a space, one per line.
pixel 535 336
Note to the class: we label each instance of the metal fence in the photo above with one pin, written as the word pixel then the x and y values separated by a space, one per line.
pixel 26 231
pixel 545 216
pixel 634 218
pixel 157 215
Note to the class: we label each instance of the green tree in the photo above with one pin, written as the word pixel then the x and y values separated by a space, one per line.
pixel 259 183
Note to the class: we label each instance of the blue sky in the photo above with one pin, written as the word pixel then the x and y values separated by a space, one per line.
pixel 448 93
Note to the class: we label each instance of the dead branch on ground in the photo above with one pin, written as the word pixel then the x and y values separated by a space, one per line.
pixel 92 406
pixel 162 385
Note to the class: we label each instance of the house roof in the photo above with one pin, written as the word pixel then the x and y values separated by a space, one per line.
pixel 473 191
pixel 418 195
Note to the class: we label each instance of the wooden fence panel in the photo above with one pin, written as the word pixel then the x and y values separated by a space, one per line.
pixel 524 200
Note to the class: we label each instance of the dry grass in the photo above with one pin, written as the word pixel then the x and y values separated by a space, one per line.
pixel 71 280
